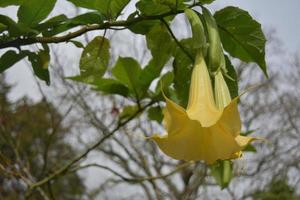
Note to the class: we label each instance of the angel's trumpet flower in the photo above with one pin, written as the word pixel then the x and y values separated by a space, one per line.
pixel 206 130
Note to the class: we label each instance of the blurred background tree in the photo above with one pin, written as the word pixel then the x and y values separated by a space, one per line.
pixel 33 141
pixel 277 189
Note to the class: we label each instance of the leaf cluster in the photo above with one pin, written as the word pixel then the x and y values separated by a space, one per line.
pixel 240 35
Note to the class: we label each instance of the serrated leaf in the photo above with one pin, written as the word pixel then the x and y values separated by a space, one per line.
pixel 127 71
pixel 155 113
pixel 9 58
pixel 222 172
pixel 31 12
pixel 94 58
pixel 242 36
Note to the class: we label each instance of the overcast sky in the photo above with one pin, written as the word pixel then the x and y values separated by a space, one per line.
pixel 284 16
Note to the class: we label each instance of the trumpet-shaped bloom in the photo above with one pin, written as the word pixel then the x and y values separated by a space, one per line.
pixel 206 130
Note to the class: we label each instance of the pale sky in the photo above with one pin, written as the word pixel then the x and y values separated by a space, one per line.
pixel 284 16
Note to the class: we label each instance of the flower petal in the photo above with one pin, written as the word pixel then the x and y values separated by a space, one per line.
pixel 194 142
pixel 222 93
pixel 201 105
pixel 174 116
pixel 230 119
pixel 243 141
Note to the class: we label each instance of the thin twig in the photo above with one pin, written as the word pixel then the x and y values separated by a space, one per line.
pixel 87 151
pixel 137 179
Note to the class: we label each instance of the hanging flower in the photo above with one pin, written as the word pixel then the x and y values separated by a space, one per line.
pixel 205 130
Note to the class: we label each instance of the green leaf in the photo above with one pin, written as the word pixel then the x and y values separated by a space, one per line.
pixel 160 43
pixel 114 8
pixel 13 28
pixel 206 1
pixel 111 86
pixel 83 19
pixel 87 18
pixel 104 85
pixel 3 27
pixel 128 111
pixel 161 46
pixel 94 58
pixel 250 148
pixel 52 22
pixel 143 27
pixel 155 113
pixel 10 58
pixel 110 9
pixel 40 63
pixel 249 132
pixel 150 7
pixel 77 43
pixel 127 71
pixel 164 83
pixel 4 3
pixel 182 65
pixel 173 4
pixel 231 79
pixel 31 12
pixel 199 39
pixel 242 36
pixel 89 4
pixel 222 172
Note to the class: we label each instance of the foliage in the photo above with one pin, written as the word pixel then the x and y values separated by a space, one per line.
pixel 277 189
pixel 240 36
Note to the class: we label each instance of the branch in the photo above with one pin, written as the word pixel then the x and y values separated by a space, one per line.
pixel 87 151
pixel 106 25
pixel 138 179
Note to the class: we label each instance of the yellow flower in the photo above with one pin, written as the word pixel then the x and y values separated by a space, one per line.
pixel 205 130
